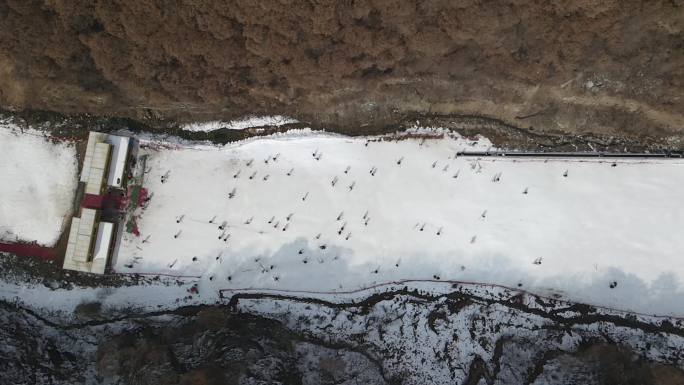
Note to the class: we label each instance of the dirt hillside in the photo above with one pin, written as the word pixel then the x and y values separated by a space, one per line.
pixel 581 66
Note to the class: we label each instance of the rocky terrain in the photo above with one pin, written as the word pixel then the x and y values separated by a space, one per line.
pixel 399 338
pixel 487 337
pixel 602 68
pixel 192 346
pixel 468 335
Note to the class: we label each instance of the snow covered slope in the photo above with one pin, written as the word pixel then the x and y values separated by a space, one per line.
pixel 37 185
pixel 329 213
pixel 240 124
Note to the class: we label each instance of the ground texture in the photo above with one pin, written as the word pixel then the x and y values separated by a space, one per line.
pixel 580 75
pixel 38 179
pixel 606 68
pixel 467 335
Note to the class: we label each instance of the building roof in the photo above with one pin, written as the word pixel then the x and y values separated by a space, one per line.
pixel 82 235
pixel 69 262
pixel 104 162
pixel 85 235
pixel 98 168
pixel 119 154
pixel 101 251
pixel 117 166
pixel 93 139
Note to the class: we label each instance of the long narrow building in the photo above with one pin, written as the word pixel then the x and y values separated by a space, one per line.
pixel 104 167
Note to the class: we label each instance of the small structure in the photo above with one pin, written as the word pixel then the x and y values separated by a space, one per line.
pixel 97 169
pixel 101 251
pixel 116 159
pixel 87 250
pixel 117 167
pixel 104 167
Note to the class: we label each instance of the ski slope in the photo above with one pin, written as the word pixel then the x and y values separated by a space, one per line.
pixel 37 185
pixel 355 212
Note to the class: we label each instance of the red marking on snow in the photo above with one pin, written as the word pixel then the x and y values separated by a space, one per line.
pixel 142 196
pixel 135 230
pixel 91 201
pixel 29 250
pixel 115 200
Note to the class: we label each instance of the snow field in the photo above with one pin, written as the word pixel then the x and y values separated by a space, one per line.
pixel 412 210
pixel 240 124
pixel 38 181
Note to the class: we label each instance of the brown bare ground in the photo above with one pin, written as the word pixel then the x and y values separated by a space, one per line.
pixel 609 68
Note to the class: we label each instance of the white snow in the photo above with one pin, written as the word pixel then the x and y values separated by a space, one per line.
pixel 596 225
pixel 38 179
pixel 423 341
pixel 61 303
pixel 430 342
pixel 240 124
